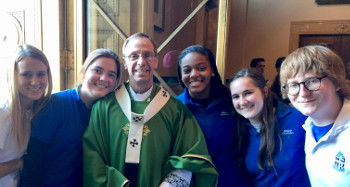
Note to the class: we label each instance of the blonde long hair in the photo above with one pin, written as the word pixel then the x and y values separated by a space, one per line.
pixel 21 119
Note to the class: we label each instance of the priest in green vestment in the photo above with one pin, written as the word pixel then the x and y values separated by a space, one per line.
pixel 140 135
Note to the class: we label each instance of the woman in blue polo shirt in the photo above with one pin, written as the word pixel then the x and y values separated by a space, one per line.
pixel 271 136
pixel 209 101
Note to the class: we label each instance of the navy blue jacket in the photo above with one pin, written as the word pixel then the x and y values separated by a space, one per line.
pixel 54 155
pixel 219 129
pixel 290 160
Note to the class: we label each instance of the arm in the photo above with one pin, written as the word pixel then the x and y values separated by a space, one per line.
pixel 7 144
pixel 177 177
pixel 10 166
pixel 190 151
pixel 33 165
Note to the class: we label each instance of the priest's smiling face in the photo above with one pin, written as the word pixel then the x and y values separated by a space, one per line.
pixel 140 62
pixel 196 75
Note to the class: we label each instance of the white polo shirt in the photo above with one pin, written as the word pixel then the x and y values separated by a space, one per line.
pixel 328 160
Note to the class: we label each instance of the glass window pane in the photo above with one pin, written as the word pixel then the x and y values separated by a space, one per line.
pixel 157 18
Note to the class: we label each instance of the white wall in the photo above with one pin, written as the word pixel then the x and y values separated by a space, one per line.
pixel 51 39
pixel 41 29
pixel 260 28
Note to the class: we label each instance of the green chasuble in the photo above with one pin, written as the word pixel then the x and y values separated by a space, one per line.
pixel 172 139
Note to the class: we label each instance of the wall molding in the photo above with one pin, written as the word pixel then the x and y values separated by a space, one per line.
pixel 298 28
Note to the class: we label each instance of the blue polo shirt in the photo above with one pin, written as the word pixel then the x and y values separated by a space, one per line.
pixel 219 129
pixel 290 160
pixel 60 125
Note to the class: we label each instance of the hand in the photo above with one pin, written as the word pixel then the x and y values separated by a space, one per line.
pixel 165 184
pixel 10 166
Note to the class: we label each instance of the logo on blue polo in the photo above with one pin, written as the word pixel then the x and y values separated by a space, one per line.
pixel 225 113
pixel 287 132
pixel 339 162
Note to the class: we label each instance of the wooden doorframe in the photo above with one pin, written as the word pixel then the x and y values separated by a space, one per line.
pixel 222 36
pixel 298 28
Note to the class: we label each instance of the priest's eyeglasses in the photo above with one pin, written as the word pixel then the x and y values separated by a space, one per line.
pixel 147 55
pixel 311 84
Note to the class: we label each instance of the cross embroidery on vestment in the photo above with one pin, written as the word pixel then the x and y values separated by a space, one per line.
pixel 137 118
pixel 165 94
pixel 133 143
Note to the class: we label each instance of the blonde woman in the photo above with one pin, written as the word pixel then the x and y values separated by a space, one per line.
pixel 54 156
pixel 30 86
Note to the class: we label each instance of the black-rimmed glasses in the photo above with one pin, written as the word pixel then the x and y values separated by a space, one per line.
pixel 311 84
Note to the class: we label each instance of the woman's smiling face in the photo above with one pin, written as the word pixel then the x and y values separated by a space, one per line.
pixel 196 74
pixel 32 78
pixel 100 77
pixel 247 99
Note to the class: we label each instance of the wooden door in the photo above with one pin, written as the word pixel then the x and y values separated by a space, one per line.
pixel 339 43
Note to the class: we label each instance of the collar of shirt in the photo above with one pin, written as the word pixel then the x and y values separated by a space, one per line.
pixel 140 97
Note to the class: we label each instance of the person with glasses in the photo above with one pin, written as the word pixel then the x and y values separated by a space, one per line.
pixel 313 78
pixel 270 133
pixel 142 136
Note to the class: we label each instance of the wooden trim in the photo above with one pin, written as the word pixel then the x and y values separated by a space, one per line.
pixel 182 25
pixel 79 37
pixel 109 20
pixel 223 29
pixel 332 2
pixel 298 28
pixel 158 15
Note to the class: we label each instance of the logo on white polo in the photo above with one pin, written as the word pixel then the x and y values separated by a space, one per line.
pixel 339 162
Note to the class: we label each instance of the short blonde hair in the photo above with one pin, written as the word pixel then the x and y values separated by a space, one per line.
pixel 318 60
